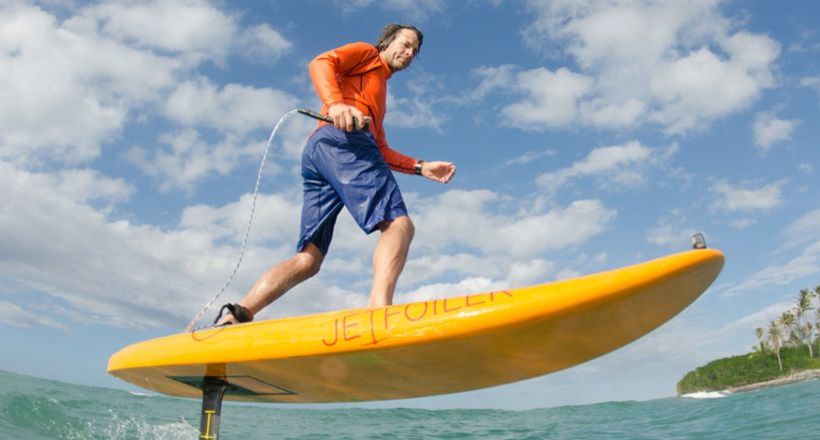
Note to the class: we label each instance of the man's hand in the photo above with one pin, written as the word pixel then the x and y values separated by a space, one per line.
pixel 438 171
pixel 346 117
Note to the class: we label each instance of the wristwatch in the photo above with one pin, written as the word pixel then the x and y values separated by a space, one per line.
pixel 417 167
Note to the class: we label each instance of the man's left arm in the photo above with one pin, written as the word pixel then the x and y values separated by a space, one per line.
pixel 395 160
pixel 434 170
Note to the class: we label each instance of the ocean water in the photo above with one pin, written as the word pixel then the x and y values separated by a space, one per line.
pixel 32 408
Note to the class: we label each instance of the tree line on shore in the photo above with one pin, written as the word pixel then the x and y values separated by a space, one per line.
pixel 789 342
pixel 796 327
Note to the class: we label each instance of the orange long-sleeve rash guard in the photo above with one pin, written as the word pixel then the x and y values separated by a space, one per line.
pixel 355 74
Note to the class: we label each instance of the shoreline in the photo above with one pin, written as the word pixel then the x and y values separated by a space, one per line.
pixel 799 376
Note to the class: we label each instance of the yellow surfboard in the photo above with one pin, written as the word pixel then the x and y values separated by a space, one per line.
pixel 425 348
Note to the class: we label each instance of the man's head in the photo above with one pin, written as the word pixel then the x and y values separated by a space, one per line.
pixel 398 45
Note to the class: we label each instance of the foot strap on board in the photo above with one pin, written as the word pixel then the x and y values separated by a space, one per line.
pixel 239 312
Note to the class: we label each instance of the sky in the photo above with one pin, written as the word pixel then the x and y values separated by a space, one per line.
pixel 588 135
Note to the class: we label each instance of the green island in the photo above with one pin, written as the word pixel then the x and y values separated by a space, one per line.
pixel 786 352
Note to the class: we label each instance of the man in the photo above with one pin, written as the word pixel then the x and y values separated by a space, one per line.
pixel 346 166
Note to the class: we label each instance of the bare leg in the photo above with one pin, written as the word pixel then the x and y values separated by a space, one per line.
pixel 389 258
pixel 279 279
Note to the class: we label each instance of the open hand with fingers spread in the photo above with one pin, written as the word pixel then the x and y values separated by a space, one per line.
pixel 438 170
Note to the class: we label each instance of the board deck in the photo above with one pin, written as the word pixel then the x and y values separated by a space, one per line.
pixel 425 348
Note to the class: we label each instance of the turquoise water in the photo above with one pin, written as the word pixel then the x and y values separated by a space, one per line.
pixel 32 408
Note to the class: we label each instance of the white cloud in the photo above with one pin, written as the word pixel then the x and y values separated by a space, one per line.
pixel 609 33
pixel 446 249
pixel 71 86
pixel 433 266
pixel 804 230
pixel 665 235
pixel 491 79
pixel 529 157
pixel 457 218
pixel 733 198
pixel 557 229
pixel 505 272
pixel 805 168
pixel 415 9
pixel 82 185
pixel 66 92
pixel 188 159
pixel 769 130
pixel 14 315
pixel 274 220
pixel 760 318
pixel 802 233
pixel 621 165
pixel 812 82
pixel 670 231
pixel 551 98
pixel 413 112
pixel 204 33
pixel 703 86
pixel 446 290
pixel 599 112
pixel 86 185
pixel 233 108
pixel 804 265
pixel 742 223
pixel 119 272
pixel 446 245
pixel 676 64
pixel 529 272
pixel 264 42
pixel 239 113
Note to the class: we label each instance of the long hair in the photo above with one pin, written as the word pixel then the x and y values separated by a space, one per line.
pixel 389 33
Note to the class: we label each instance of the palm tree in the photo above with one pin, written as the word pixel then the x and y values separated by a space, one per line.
pixel 817 315
pixel 787 322
pixel 775 336
pixel 760 332
pixel 804 329
pixel 817 327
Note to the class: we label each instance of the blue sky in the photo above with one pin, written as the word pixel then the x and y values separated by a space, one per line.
pixel 587 136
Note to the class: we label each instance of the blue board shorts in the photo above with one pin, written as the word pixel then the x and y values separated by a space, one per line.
pixel 345 169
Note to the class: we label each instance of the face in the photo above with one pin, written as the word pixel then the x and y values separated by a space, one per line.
pixel 401 51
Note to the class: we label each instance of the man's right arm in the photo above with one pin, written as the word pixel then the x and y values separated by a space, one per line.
pixel 324 70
